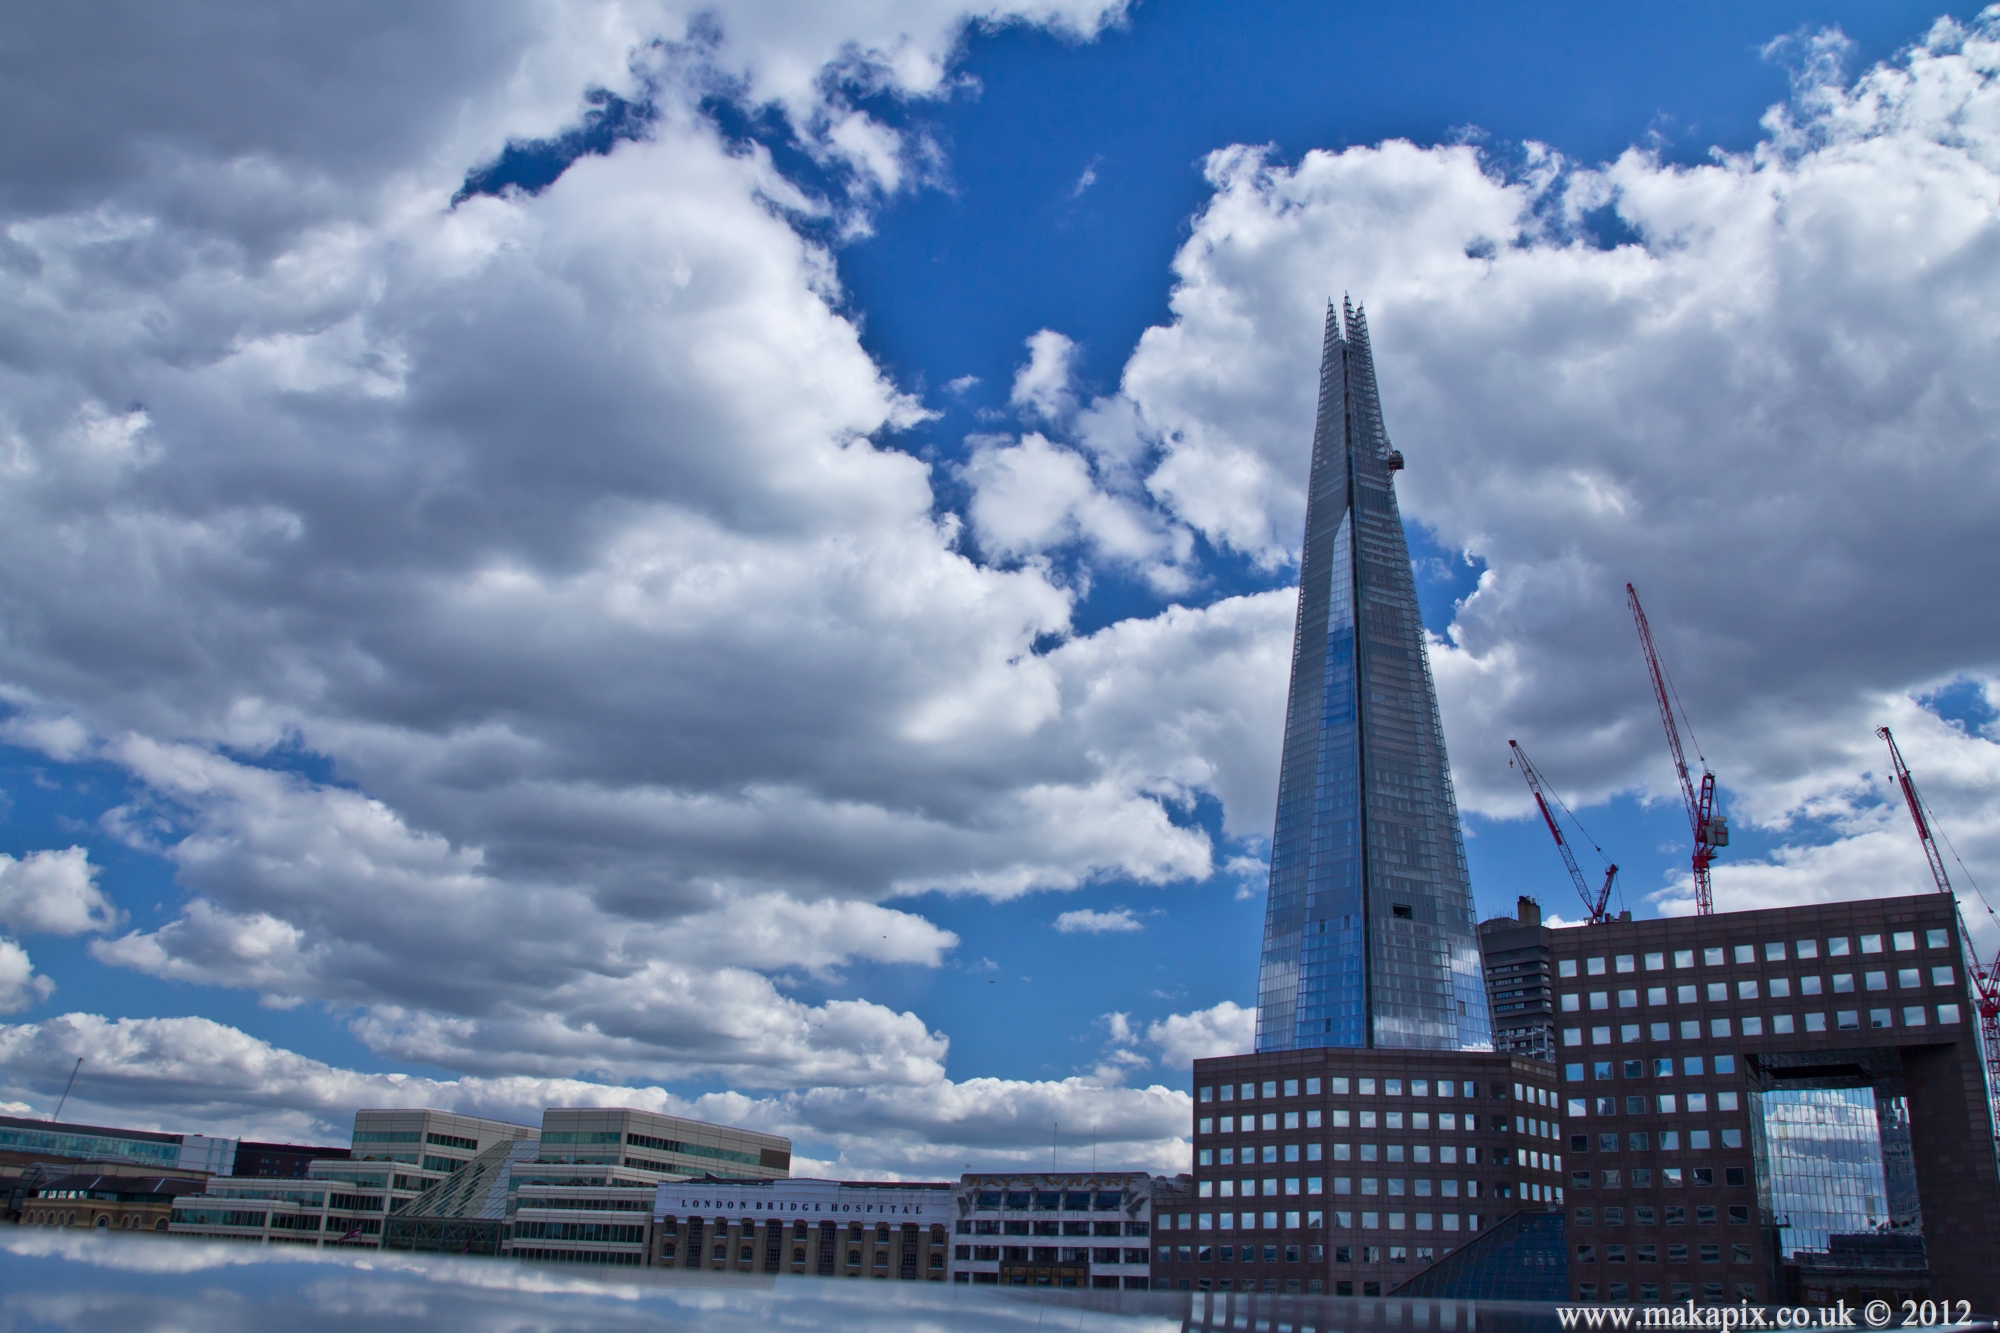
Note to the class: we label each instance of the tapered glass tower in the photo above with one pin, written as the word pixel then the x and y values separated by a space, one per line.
pixel 1369 934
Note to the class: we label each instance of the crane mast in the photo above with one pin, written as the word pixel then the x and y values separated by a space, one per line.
pixel 1985 976
pixel 1596 907
pixel 1711 831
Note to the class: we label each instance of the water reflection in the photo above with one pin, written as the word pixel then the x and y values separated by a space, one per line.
pixel 76 1282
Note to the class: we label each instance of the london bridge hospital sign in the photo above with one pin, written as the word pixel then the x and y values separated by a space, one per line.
pixel 799 1198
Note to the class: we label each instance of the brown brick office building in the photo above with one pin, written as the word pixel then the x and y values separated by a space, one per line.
pixel 1349 1171
pixel 1739 1089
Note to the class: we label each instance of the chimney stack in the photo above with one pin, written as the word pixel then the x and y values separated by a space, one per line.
pixel 1527 911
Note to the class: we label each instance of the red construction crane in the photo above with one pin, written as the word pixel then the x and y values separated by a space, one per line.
pixel 1985 976
pixel 1596 906
pixel 1711 831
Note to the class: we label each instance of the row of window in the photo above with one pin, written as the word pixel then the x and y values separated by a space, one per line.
pixel 1449 1121
pixel 1620 1293
pixel 1773 951
pixel 1645 1215
pixel 1753 1025
pixel 1022 1254
pixel 1671 1177
pixel 1740 1252
pixel 1206 1254
pixel 1346 1087
pixel 1447 1153
pixel 1315 1220
pixel 1757 988
pixel 1641 1140
pixel 1049 1201
pixel 1662 1066
pixel 799 1228
pixel 1664 1102
pixel 995 1227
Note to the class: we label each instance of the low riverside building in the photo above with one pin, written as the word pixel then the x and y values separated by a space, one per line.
pixel 805 1228
pixel 603 1142
pixel 116 1202
pixel 26 1142
pixel 397 1155
pixel 1058 1229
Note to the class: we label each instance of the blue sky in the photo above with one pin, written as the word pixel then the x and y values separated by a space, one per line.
pixel 686 631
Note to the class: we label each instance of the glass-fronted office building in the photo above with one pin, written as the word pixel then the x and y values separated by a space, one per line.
pixel 1369 930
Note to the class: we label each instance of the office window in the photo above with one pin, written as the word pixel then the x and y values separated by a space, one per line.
pixel 1718 1027
pixel 1753 1026
pixel 1566 967
pixel 1711 957
pixel 1837 948
pixel 1871 944
pixel 1781 987
pixel 1684 994
pixel 1807 948
pixel 1746 953
pixel 1684 958
pixel 1943 976
pixel 1623 962
pixel 1879 1018
pixel 1594 967
pixel 1843 983
pixel 1937 939
pixel 1947 1013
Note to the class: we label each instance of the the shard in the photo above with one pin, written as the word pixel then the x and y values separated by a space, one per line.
pixel 1369 932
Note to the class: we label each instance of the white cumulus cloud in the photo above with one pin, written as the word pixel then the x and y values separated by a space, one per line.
pixel 1086 922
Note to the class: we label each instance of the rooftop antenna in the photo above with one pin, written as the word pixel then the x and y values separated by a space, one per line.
pixel 66 1089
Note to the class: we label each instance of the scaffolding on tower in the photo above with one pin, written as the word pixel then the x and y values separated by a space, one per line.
pixel 1985 977
pixel 1711 830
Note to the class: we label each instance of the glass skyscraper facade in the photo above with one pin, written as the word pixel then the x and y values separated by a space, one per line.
pixel 1369 931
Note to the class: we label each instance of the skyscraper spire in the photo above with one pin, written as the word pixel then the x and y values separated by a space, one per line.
pixel 1369 932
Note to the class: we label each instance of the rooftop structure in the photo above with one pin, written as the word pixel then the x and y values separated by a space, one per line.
pixel 1368 931
pixel 1515 952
